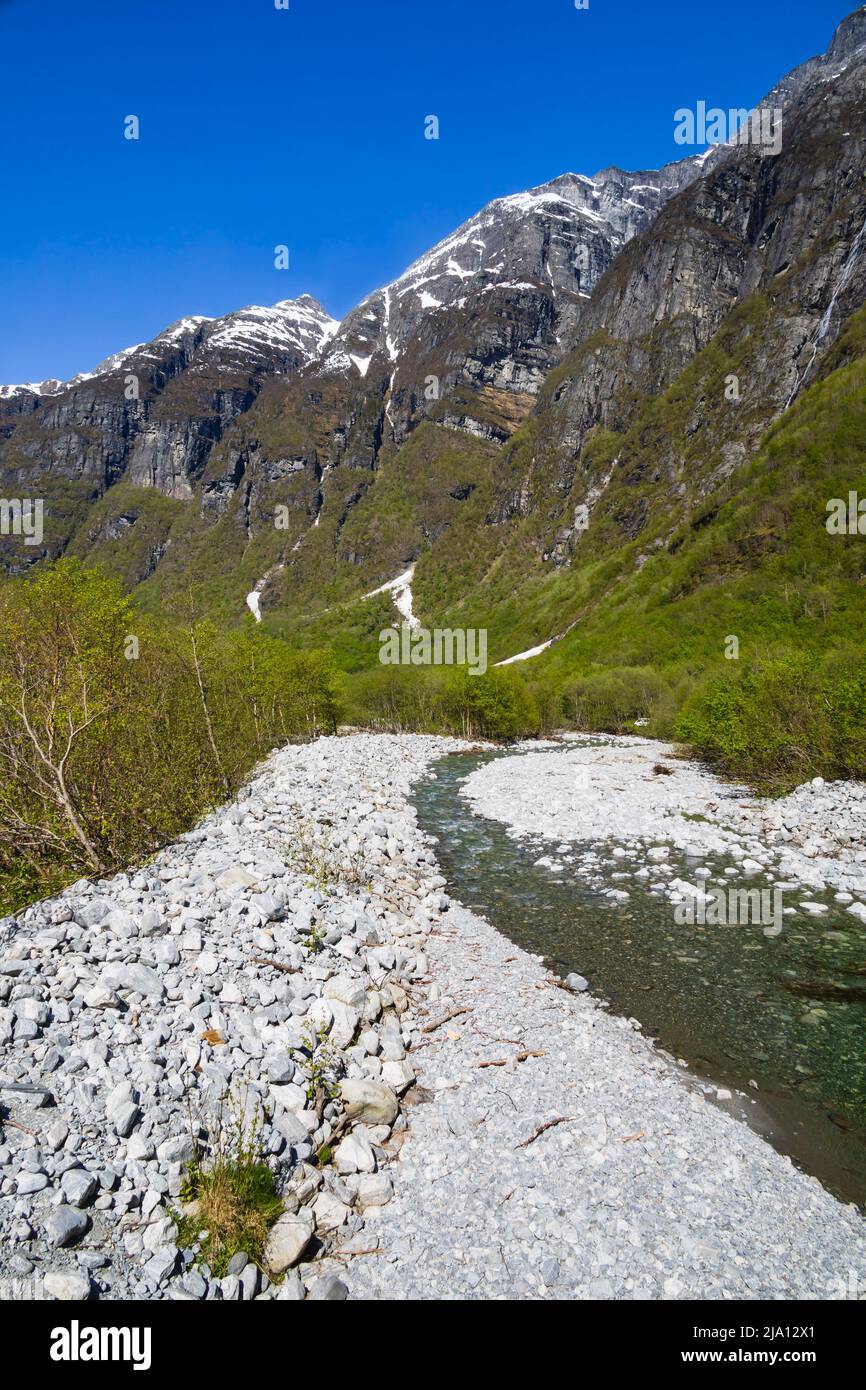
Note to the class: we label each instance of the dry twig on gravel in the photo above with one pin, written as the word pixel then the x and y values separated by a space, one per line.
pixel 548 1124
pixel 437 1023
pixel 13 1124
pixel 518 1057
pixel 275 964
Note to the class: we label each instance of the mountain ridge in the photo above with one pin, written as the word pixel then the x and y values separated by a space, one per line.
pixel 463 416
pixel 848 39
pixel 305 314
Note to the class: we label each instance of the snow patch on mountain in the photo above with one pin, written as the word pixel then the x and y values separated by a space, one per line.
pixel 529 653
pixel 400 590
pixel 176 331
pixel 33 388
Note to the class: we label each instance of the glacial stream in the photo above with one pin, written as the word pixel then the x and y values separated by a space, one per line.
pixel 719 998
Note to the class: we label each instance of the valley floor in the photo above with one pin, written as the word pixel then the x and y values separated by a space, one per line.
pixel 594 1169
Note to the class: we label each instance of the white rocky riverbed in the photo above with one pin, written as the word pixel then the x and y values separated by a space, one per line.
pixel 129 1004
pixel 638 793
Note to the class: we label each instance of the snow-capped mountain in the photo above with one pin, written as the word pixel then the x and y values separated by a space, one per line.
pixel 521 267
pixel 558 238
pixel 562 234
pixel 32 388
pixel 292 326
pixel 276 338
pixel 617 281
pixel 281 337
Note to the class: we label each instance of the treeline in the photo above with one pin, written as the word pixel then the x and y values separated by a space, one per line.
pixel 511 702
pixel 117 732
pixel 783 720
pixel 407 699
pixel 774 722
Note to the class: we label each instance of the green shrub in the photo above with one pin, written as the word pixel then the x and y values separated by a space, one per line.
pixel 397 699
pixel 783 720
pixel 495 705
pixel 610 701
pixel 498 704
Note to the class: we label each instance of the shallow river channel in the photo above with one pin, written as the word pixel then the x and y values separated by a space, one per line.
pixel 727 1000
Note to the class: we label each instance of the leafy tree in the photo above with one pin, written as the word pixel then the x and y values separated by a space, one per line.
pixel 117 732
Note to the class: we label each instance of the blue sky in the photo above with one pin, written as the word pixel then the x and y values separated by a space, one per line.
pixel 305 127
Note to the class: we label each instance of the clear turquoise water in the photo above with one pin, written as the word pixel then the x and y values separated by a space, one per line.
pixel 714 996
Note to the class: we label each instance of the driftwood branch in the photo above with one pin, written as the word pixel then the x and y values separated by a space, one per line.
pixel 548 1124
pixel 518 1057
pixel 274 964
pixel 13 1124
pixel 431 1027
pixel 351 1254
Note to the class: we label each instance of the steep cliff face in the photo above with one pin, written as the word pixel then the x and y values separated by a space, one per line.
pixel 759 256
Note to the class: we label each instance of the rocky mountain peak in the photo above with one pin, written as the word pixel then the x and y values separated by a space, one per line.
pixel 850 36
pixel 304 301
pixel 555 240
pixel 294 329
pixel 279 337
